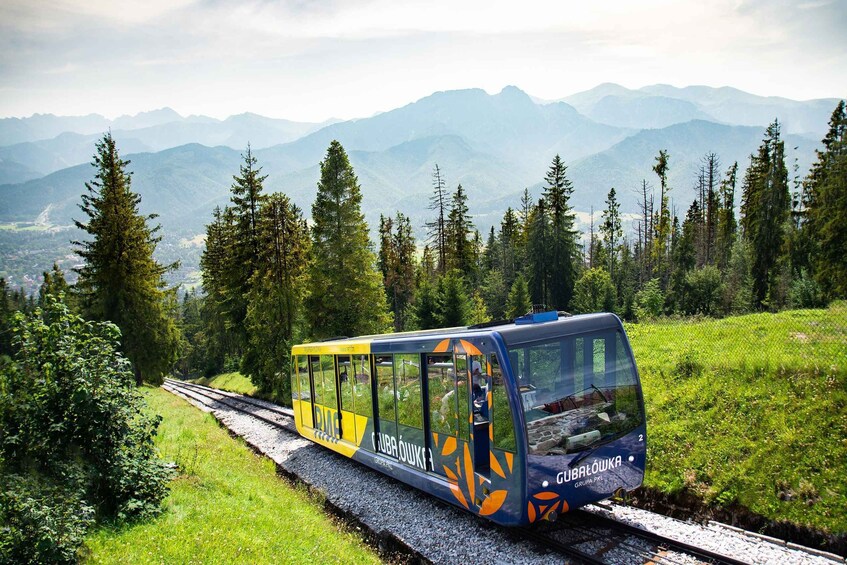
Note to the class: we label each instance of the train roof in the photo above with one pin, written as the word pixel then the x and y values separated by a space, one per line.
pixel 523 330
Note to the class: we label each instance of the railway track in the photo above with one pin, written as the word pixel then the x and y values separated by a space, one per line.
pixel 580 535
pixel 596 539
pixel 277 416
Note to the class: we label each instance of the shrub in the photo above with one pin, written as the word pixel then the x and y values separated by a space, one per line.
pixel 70 415
pixel 594 292
pixel 649 301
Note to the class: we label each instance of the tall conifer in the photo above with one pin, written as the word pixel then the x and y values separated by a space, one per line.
pixel 120 281
pixel 347 294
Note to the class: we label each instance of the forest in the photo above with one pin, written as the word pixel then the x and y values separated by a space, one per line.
pixel 759 236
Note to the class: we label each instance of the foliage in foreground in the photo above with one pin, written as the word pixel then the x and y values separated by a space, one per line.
pixel 76 441
pixel 226 506
pixel 750 410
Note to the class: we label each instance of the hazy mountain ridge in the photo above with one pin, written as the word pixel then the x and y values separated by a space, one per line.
pixel 495 145
pixel 723 105
pixel 31 148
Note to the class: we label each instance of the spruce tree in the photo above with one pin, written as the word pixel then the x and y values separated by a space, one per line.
pixel 765 211
pixel 397 263
pixel 216 264
pixel 347 294
pixel 662 224
pixel 563 237
pixel 727 225
pixel 459 231
pixel 519 302
pixel 438 227
pixel 243 254
pixel 278 287
pixel 120 281
pixel 826 204
pixel 611 232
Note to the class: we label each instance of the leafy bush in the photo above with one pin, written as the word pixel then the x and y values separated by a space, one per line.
pixel 594 292
pixel 70 415
pixel 649 301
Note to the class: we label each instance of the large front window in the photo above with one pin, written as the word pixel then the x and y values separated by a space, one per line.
pixel 576 391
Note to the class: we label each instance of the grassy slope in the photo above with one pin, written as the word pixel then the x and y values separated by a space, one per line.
pixel 751 409
pixel 233 382
pixel 226 506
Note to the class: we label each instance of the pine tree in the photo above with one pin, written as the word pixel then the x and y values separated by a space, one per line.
pixel 247 199
pixel 563 237
pixel 662 224
pixel 611 231
pixel 438 227
pixel 459 232
pixel 120 281
pixel 538 253
pixel 765 211
pixel 347 293
pixel 397 263
pixel 826 203
pixel 453 304
pixel 727 225
pixel 54 285
pixel 216 266
pixel 519 302
pixel 278 287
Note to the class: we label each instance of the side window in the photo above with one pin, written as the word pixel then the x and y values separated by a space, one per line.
pixel 385 390
pixel 295 380
pixel 501 418
pixel 317 378
pixel 361 378
pixel 443 405
pixel 328 377
pixel 305 389
pixel 407 374
pixel 462 387
pixel 346 382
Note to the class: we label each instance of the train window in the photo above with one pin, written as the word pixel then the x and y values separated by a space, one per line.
pixel 305 389
pixel 443 406
pixel 361 378
pixel 295 380
pixel 384 365
pixel 345 382
pixel 462 387
pixel 501 412
pixel 577 392
pixel 407 374
pixel 327 382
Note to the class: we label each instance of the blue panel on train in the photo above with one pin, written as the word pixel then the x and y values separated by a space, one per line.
pixel 537 318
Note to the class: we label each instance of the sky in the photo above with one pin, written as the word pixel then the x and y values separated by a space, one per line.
pixel 313 60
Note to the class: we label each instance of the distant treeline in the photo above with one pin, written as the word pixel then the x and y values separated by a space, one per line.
pixel 270 278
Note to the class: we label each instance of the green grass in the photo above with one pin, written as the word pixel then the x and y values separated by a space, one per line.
pixel 233 382
pixel 226 506
pixel 750 410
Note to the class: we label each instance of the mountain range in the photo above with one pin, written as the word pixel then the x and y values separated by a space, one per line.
pixel 494 145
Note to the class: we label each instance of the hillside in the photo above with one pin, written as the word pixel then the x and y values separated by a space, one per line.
pixel 750 412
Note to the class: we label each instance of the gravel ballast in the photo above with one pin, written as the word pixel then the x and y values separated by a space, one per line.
pixel 437 532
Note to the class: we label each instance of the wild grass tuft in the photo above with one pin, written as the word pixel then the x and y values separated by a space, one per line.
pixel 226 506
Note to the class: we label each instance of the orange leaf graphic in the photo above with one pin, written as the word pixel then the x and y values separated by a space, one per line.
pixel 495 464
pixel 450 474
pixel 457 492
pixel 530 509
pixel 509 460
pixel 442 347
pixel 469 472
pixel 493 503
pixel 545 495
pixel 449 446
